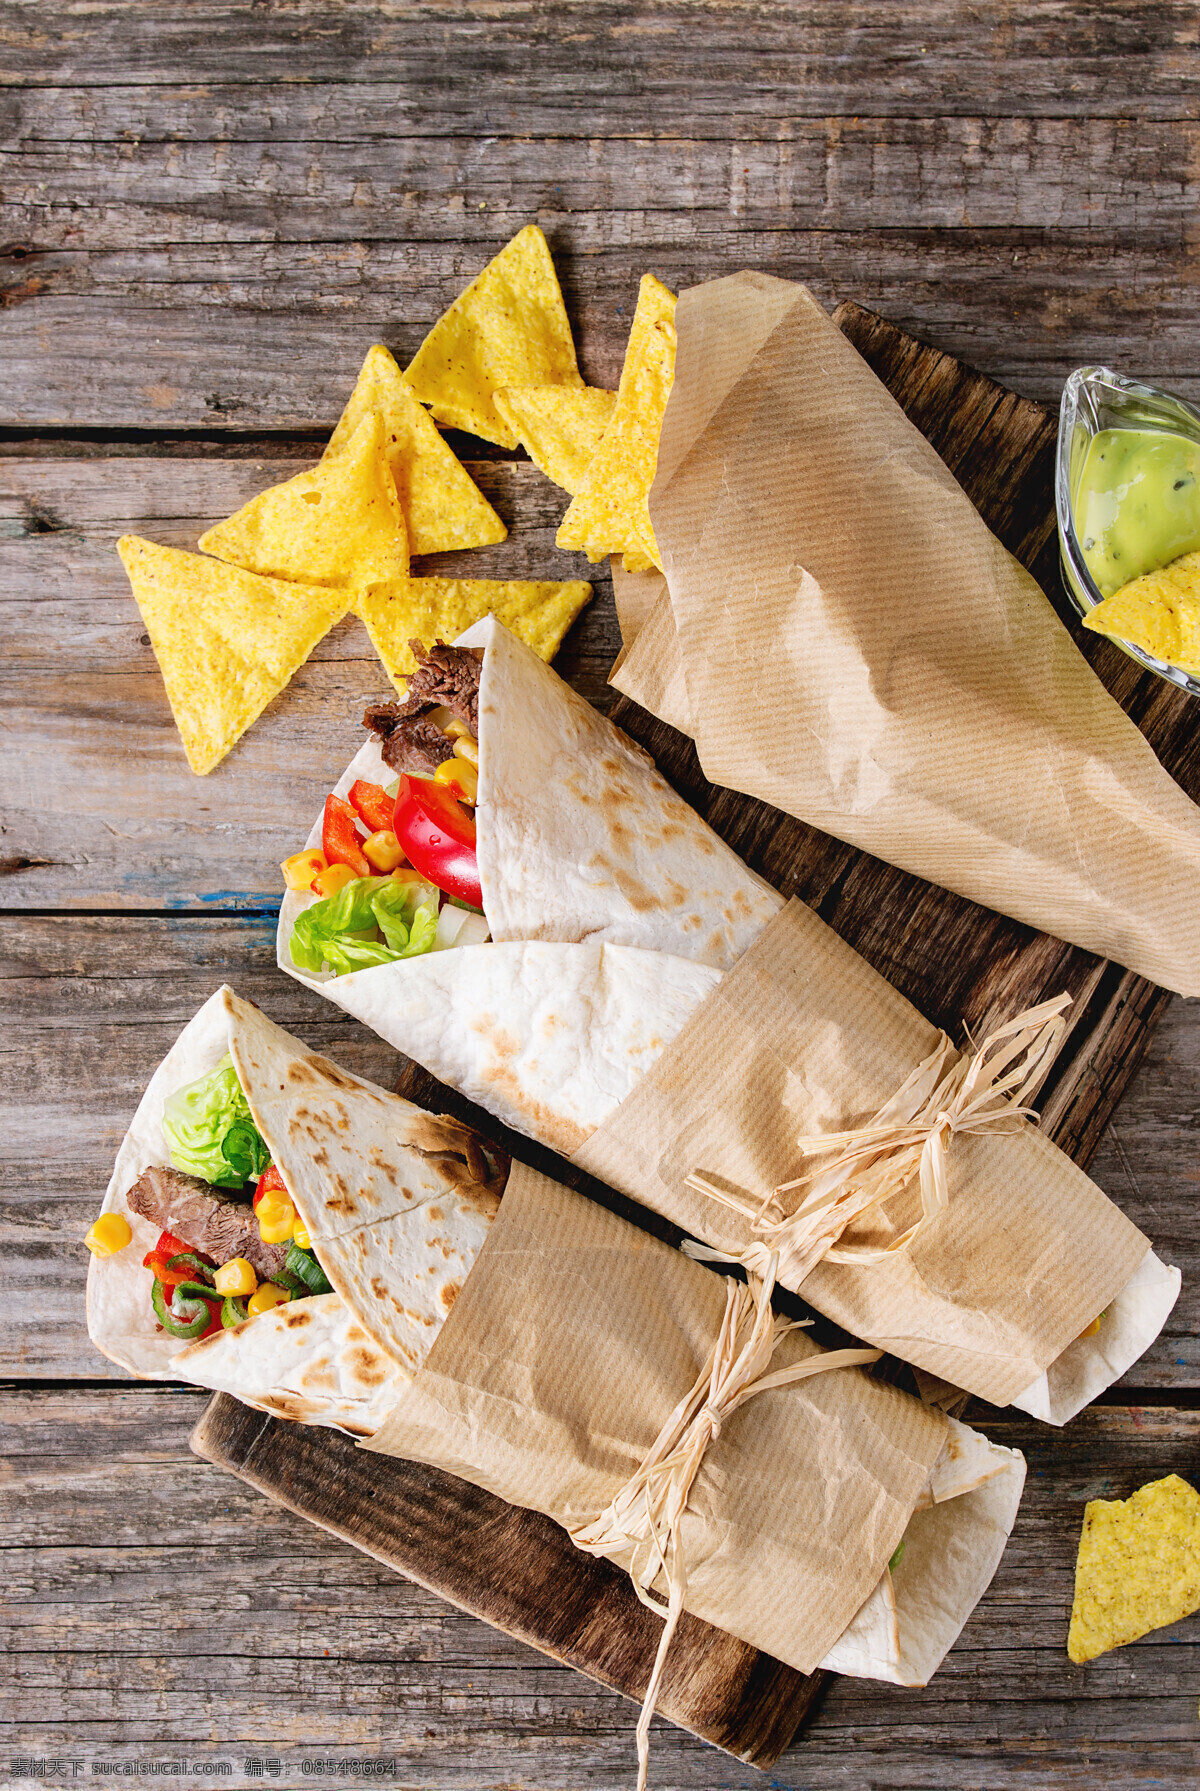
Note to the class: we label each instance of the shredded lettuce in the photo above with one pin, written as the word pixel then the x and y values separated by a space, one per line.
pixel 342 932
pixel 210 1133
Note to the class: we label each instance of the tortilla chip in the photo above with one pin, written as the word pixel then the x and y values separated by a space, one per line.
pixel 610 514
pixel 1159 612
pixel 444 509
pixel 226 640
pixel 538 611
pixel 638 562
pixel 560 427
pixel 1138 1567
pixel 339 524
pixel 509 328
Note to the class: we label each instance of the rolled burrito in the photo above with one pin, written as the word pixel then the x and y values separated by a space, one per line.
pixel 832 1522
pixel 391 1203
pixel 399 1206
pixel 648 1008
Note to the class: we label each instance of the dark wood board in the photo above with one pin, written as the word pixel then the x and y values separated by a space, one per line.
pixel 956 961
pixel 519 1572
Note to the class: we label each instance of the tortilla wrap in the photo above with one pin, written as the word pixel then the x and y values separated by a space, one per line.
pixel 575 1338
pixel 579 837
pixel 397 1203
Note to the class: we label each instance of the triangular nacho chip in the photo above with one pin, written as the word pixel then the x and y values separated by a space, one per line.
pixel 444 509
pixel 226 640
pixel 339 524
pixel 559 427
pixel 1138 1567
pixel 1159 612
pixel 539 612
pixel 610 514
pixel 509 328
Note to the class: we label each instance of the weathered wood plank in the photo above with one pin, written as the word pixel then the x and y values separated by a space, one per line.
pixel 321 1653
pixel 92 1003
pixel 269 336
pixel 87 724
pixel 519 68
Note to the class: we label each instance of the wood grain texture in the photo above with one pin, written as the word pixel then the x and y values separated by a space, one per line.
pixel 518 1571
pixel 321 1653
pixel 195 237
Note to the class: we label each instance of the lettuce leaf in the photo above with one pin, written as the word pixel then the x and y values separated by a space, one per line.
pixel 210 1133
pixel 340 932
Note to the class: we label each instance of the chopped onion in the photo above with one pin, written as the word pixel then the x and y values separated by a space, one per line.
pixel 459 926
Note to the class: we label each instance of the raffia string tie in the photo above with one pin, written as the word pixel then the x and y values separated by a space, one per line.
pixel 945 1095
pixel 645 1517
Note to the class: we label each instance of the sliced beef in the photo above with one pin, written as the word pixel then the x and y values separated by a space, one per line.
pixel 445 678
pixel 412 744
pixel 211 1220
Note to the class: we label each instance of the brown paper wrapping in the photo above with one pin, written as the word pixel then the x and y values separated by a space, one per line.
pixel 803 1037
pixel 574 1337
pixel 845 639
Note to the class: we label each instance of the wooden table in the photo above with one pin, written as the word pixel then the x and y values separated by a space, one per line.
pixel 210 212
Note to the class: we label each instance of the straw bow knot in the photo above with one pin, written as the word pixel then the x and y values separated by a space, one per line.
pixel 644 1518
pixel 946 1095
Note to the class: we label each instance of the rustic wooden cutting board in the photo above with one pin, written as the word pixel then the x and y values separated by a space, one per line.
pixel 957 962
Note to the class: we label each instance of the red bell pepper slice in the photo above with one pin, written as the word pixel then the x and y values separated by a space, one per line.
pixel 269 1182
pixel 169 1245
pixel 339 836
pixel 373 803
pixel 438 835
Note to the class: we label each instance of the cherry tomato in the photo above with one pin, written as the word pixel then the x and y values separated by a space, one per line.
pixel 438 837
pixel 373 803
pixel 339 836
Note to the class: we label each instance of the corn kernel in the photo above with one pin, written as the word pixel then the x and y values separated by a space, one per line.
pixel 460 777
pixel 300 869
pixel 383 851
pixel 235 1277
pixel 109 1234
pixel 454 730
pixel 332 878
pixel 467 747
pixel 1092 1330
pixel 301 1238
pixel 267 1296
pixel 276 1220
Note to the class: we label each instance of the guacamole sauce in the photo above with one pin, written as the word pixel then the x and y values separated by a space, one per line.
pixel 1137 503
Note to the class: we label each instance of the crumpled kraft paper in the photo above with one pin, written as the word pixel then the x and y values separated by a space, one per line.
pixel 574 1337
pixel 802 1036
pixel 845 639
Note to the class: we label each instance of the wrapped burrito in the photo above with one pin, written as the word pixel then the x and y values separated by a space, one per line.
pixel 832 1522
pixel 647 1007
pixel 824 569
pixel 800 1506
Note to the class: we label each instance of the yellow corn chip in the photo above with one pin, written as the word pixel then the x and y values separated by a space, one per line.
pixel 509 328
pixel 560 427
pixel 539 612
pixel 338 525
pixel 610 514
pixel 1159 612
pixel 226 640
pixel 1138 1567
pixel 444 509
pixel 638 562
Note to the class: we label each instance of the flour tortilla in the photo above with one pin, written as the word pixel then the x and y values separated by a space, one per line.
pixel 310 1361
pixel 579 837
pixel 952 1548
pixel 397 1203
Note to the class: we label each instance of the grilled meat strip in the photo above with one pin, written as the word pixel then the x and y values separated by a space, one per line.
pixel 210 1220
pixel 446 677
